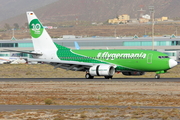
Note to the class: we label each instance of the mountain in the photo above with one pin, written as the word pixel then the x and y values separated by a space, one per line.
pixel 84 10
pixel 11 8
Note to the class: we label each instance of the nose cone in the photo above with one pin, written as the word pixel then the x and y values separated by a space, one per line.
pixel 172 63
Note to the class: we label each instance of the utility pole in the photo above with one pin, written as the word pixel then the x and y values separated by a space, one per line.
pixel 115 32
pixel 13 38
pixel 151 8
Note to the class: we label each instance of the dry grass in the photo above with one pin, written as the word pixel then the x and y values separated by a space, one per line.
pixel 47 71
pixel 102 30
pixel 86 93
pixel 91 93
pixel 35 71
pixel 93 113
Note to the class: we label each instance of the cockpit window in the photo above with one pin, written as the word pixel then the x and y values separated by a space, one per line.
pixel 162 57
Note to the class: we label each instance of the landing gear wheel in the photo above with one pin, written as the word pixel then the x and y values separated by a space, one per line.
pixel 157 76
pixel 88 76
pixel 108 77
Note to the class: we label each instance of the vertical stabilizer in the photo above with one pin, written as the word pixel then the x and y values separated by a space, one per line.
pixel 40 38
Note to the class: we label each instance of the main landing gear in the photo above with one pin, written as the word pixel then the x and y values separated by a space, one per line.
pixel 88 76
pixel 157 76
pixel 108 77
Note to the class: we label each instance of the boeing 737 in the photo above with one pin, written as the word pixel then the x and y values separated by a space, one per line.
pixel 95 62
pixel 12 60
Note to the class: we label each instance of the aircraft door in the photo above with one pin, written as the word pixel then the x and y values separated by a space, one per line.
pixel 149 58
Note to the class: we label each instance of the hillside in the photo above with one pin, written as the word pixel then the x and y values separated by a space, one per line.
pixel 85 10
pixel 12 8
pixel 101 30
pixel 102 10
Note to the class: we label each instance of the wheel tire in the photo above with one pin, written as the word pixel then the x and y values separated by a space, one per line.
pixel 108 77
pixel 92 77
pixel 88 76
pixel 157 76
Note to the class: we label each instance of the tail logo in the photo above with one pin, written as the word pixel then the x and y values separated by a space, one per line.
pixel 36 28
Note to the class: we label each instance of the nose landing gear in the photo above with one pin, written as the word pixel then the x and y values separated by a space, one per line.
pixel 157 76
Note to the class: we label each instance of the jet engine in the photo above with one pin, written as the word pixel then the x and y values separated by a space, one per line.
pixel 102 70
pixel 134 73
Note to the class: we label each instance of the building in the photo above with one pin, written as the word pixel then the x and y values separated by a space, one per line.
pixel 113 21
pixel 172 45
pixel 121 19
pixel 144 18
pixel 162 19
pixel 124 18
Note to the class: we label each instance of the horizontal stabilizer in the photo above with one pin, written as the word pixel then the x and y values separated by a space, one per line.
pixel 23 52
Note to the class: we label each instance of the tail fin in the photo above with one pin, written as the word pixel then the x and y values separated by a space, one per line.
pixel 40 38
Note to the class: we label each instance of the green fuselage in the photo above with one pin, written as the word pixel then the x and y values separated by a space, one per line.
pixel 141 60
pixel 124 60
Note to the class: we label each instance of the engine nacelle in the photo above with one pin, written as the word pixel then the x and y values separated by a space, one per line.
pixel 134 73
pixel 102 70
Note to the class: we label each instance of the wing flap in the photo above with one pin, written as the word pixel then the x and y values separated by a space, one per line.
pixel 68 65
pixel 73 67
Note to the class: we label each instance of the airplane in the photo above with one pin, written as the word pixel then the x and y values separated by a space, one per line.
pixel 5 60
pixel 105 62
pixel 12 60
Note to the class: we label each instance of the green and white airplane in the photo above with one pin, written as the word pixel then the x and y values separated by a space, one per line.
pixel 95 62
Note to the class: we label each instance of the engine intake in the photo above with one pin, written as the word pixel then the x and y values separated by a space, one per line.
pixel 102 70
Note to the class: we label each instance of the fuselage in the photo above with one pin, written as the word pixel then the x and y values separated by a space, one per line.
pixel 124 60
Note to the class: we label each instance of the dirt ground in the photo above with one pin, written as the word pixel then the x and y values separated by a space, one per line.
pixel 48 71
pixel 92 93
pixel 86 93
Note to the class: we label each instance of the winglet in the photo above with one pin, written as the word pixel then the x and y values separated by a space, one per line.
pixel 76 45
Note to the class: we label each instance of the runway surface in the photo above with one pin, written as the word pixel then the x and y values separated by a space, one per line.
pixel 38 107
pixel 89 80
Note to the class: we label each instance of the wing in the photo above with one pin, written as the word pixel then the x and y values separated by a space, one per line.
pixel 68 65
pixel 73 67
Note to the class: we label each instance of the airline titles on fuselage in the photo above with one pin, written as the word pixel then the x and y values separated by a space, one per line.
pixel 113 56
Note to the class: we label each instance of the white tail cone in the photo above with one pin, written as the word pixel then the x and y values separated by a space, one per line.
pixel 172 63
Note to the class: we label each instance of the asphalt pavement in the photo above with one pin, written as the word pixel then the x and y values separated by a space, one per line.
pixel 89 80
pixel 38 107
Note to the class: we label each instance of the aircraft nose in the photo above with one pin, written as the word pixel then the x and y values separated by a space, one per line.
pixel 172 63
